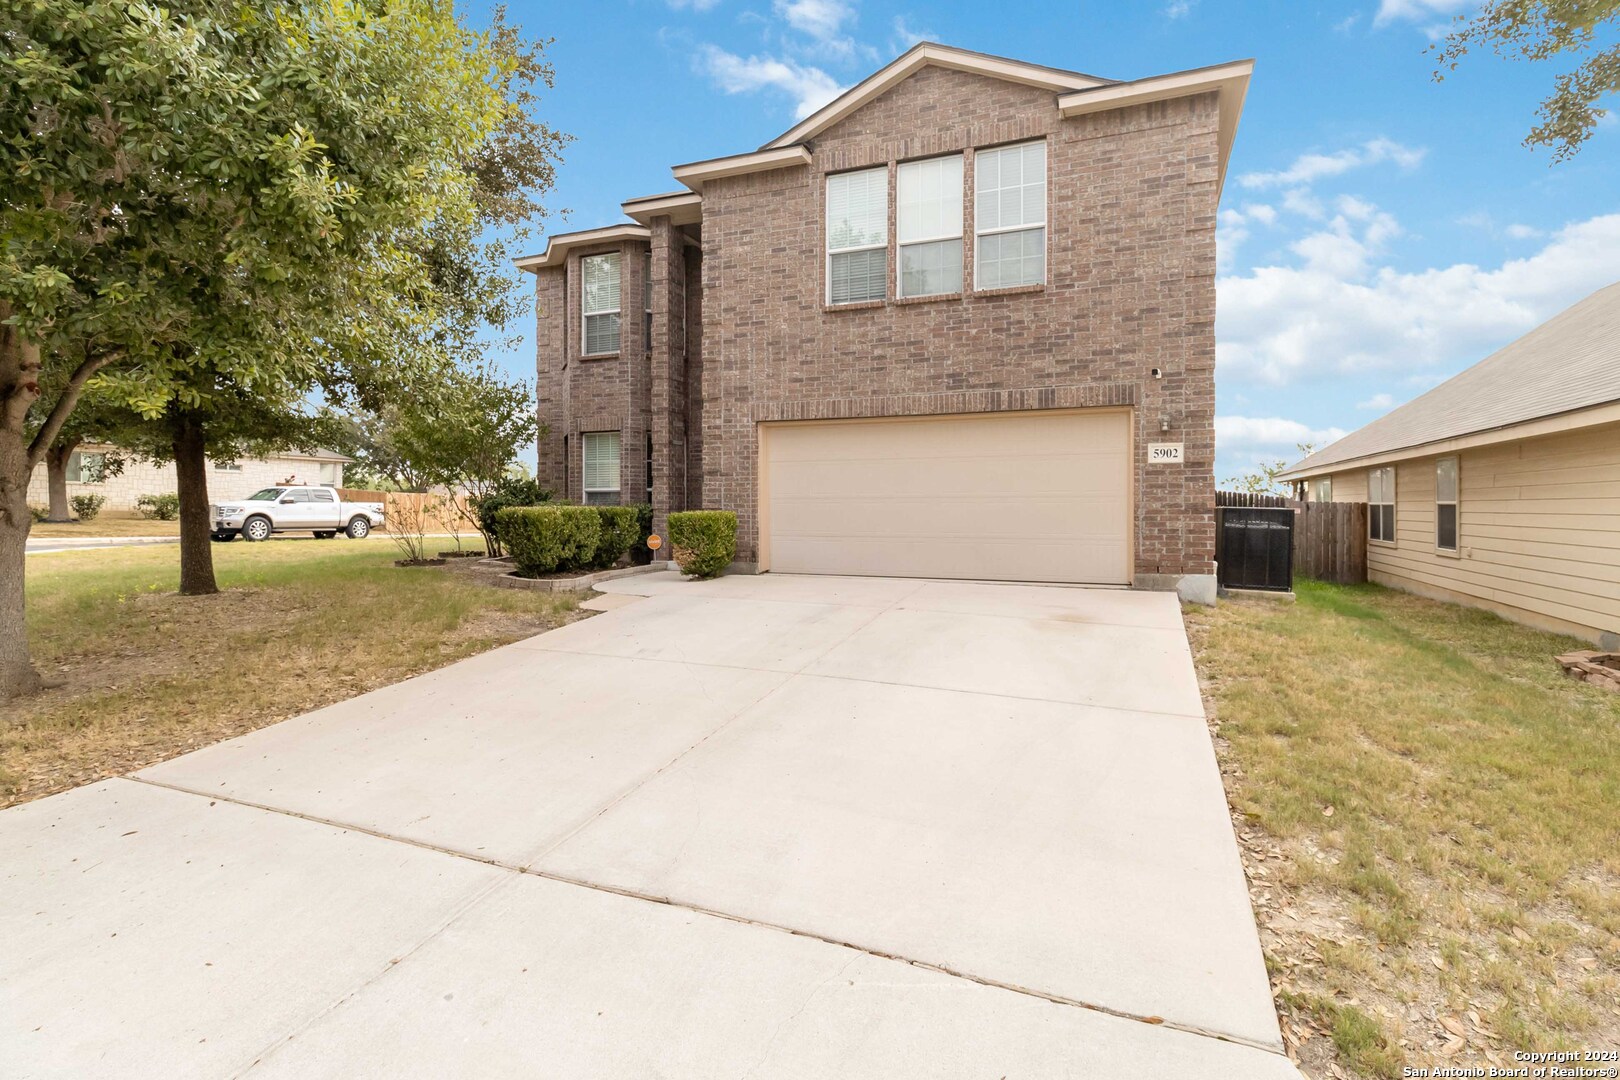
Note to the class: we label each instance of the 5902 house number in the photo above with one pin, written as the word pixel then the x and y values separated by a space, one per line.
pixel 1164 453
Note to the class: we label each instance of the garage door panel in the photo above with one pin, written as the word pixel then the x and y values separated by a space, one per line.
pixel 1028 496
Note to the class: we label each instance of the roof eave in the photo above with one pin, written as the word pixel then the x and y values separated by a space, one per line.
pixel 558 247
pixel 694 174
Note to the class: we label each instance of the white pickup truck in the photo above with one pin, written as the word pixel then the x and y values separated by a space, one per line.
pixel 294 508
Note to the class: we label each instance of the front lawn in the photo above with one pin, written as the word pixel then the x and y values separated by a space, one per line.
pixel 106 523
pixel 1430 819
pixel 148 674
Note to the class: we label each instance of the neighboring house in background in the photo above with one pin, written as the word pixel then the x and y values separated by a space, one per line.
pixel 1500 488
pixel 957 323
pixel 226 480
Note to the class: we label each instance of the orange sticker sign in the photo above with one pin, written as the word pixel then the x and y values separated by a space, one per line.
pixel 654 542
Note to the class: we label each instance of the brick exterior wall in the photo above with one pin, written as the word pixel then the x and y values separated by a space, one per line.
pixel 1130 287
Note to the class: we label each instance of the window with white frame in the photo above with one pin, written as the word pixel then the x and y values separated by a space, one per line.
pixel 858 236
pixel 1322 490
pixel 1381 504
pixel 599 301
pixel 928 223
pixel 331 472
pixel 85 468
pixel 227 466
pixel 1009 216
pixel 1445 504
pixel 601 471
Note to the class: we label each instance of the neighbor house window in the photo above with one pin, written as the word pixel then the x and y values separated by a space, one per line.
pixel 601 467
pixel 87 468
pixel 1445 504
pixel 227 466
pixel 928 221
pixel 600 303
pixel 1009 216
pixel 331 472
pixel 857 236
pixel 1381 504
pixel 1322 490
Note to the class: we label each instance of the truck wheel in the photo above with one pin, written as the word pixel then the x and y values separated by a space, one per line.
pixel 359 528
pixel 255 529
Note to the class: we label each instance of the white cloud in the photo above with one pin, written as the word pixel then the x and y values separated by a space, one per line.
pixel 1336 314
pixel 693 5
pixel 905 36
pixel 1179 9
pixel 810 87
pixel 1310 167
pixel 1255 438
pixel 1265 215
pixel 821 19
pixel 1416 10
pixel 1380 402
pixel 1524 232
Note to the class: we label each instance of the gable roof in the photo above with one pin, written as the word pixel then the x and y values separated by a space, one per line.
pixel 1569 363
pixel 926 54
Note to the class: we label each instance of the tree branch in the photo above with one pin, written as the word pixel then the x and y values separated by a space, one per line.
pixel 64 405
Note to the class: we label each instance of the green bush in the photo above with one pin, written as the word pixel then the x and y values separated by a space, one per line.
pixel 159 507
pixel 510 491
pixel 619 533
pixel 546 539
pixel 640 553
pixel 703 542
pixel 39 513
pixel 86 507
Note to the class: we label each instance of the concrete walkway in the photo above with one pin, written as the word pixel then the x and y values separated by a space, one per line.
pixel 771 827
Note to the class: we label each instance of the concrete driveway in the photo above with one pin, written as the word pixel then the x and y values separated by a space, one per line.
pixel 762 826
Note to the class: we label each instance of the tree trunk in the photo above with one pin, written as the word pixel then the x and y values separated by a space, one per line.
pixel 196 524
pixel 19 387
pixel 56 459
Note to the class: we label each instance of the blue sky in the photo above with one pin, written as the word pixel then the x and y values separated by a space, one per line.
pixel 1379 231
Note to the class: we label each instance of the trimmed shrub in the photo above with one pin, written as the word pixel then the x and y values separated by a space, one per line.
pixel 619 524
pixel 86 507
pixel 39 513
pixel 510 491
pixel 640 553
pixel 159 507
pixel 546 539
pixel 703 542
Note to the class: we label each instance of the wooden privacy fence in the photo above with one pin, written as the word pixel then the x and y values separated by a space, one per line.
pixel 1250 498
pixel 400 507
pixel 1330 542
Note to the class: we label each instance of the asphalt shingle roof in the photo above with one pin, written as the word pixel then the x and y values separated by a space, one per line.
pixel 1569 362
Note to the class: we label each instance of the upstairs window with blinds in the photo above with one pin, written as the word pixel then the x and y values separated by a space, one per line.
pixel 1009 216
pixel 858 236
pixel 928 220
pixel 1445 504
pixel 1381 505
pixel 601 469
pixel 599 301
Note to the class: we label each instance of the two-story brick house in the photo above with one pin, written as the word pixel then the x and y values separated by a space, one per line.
pixel 957 323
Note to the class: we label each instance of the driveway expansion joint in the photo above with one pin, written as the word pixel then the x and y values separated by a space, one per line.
pixel 479 895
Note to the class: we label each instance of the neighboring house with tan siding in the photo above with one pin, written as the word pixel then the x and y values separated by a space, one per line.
pixel 226 479
pixel 1500 488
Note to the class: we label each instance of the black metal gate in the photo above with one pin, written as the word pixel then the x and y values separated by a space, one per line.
pixel 1255 547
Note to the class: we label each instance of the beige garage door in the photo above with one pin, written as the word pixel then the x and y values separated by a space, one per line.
pixel 1040 496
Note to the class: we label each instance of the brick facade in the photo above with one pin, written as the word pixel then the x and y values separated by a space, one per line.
pixel 1130 287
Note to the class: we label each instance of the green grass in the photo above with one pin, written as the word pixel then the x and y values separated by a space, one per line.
pixel 1475 791
pixel 298 624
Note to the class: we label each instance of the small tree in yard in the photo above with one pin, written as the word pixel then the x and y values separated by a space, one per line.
pixel 1263 480
pixel 219 204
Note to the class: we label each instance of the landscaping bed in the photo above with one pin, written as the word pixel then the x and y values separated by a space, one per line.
pixel 1429 815
pixel 147 674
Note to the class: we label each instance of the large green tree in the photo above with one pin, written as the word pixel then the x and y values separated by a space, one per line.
pixel 1542 31
pixel 217 198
